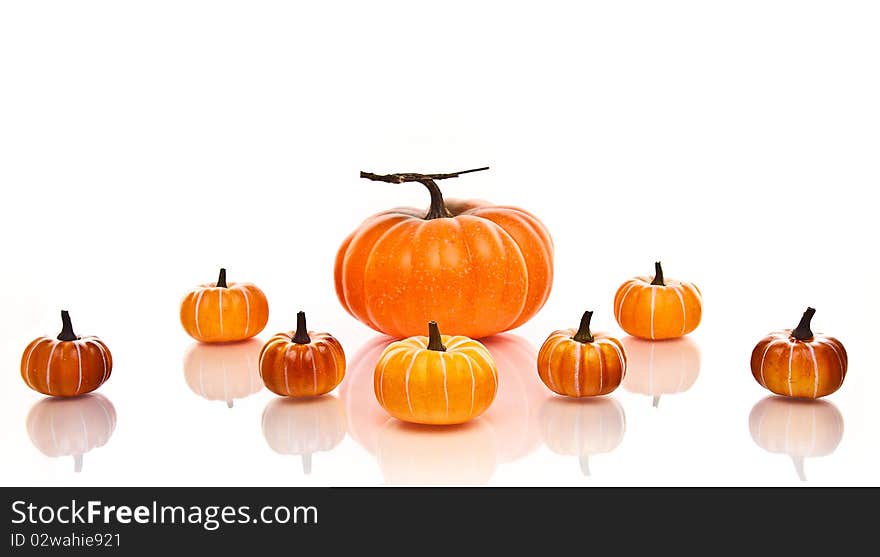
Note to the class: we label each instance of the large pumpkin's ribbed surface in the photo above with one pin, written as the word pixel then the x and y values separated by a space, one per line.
pixel 482 272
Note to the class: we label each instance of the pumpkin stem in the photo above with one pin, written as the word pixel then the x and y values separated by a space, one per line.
pixel 438 208
pixel 302 332
pixel 583 334
pixel 435 341
pixel 658 275
pixel 66 333
pixel 221 280
pixel 803 331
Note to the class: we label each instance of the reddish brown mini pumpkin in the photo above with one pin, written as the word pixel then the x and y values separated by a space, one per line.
pixel 67 365
pixel 799 363
pixel 302 363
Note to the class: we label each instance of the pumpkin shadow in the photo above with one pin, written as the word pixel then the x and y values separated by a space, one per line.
pixel 660 367
pixel 582 427
pixel 61 427
pixel 303 427
pixel 513 415
pixel 224 372
pixel 798 428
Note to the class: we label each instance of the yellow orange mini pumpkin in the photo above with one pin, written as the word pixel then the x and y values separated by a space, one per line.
pixel 224 312
pixel 476 268
pixel 578 363
pixel 798 363
pixel 657 308
pixel 302 363
pixel 436 380
pixel 67 365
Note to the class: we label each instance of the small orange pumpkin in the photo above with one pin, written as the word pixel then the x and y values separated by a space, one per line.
pixel 224 312
pixel 578 363
pixel 477 268
pixel 658 308
pixel 437 380
pixel 302 363
pixel 798 363
pixel 67 365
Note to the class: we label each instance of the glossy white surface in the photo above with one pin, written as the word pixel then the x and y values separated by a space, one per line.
pixel 144 146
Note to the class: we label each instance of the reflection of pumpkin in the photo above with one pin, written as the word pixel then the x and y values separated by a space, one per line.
pixel 304 426
pixel 364 414
pixel 578 363
pixel 514 413
pixel 412 454
pixel 582 427
pixel 224 312
pixel 223 371
pixel 438 380
pixel 798 363
pixel 71 426
pixel 797 428
pixel 657 307
pixel 659 368
pixel 302 363
pixel 66 365
pixel 475 268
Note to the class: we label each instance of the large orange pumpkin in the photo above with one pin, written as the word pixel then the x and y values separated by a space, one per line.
pixel 798 363
pixel 658 308
pixel 224 312
pixel 578 363
pixel 302 363
pixel 476 268
pixel 437 380
pixel 71 426
pixel 797 428
pixel 67 365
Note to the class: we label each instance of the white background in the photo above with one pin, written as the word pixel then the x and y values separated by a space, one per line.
pixel 145 144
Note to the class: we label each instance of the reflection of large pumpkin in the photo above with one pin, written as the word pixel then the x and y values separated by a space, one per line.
pixel 364 414
pixel 304 426
pixel 223 371
pixel 412 454
pixel 475 268
pixel 71 426
pixel 582 427
pixel 513 415
pixel 659 368
pixel 797 428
